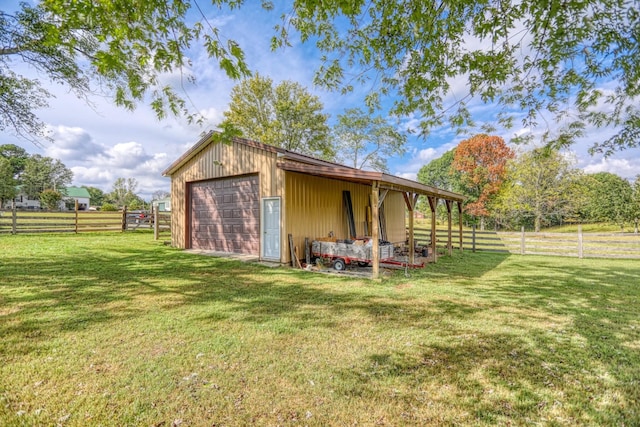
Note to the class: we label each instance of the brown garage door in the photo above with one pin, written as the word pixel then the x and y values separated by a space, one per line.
pixel 224 215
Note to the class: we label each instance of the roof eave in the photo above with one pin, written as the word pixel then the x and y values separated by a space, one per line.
pixel 195 149
pixel 345 173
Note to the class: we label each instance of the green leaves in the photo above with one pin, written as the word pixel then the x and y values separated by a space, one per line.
pixel 610 198
pixel 7 181
pixel 42 173
pixel 119 47
pixel 538 190
pixel 50 199
pixel 535 56
pixel 432 58
pixel 124 192
pixel 286 116
pixel 365 142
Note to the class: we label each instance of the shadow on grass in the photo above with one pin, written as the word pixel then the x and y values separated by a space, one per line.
pixel 602 301
pixel 70 290
pixel 578 363
pixel 591 366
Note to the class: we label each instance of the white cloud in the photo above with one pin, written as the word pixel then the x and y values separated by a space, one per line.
pixel 408 175
pixel 71 144
pixel 125 155
pixel 626 168
pixel 409 165
pixel 427 154
pixel 94 176
pixel 102 142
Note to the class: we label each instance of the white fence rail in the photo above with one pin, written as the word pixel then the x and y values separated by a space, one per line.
pixel 581 245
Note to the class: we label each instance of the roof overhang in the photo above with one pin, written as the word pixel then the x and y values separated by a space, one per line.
pixel 295 162
pixel 384 180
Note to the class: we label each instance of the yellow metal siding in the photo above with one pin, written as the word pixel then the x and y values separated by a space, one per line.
pixel 394 211
pixel 315 208
pixel 217 161
pixel 310 207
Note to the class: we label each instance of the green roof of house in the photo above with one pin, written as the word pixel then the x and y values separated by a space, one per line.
pixel 77 192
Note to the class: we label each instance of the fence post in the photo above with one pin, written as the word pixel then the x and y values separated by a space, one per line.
pixel 522 242
pixel 76 219
pixel 156 225
pixel 14 218
pixel 580 242
pixel 473 238
pixel 124 219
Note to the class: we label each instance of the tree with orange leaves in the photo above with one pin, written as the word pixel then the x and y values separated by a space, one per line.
pixel 481 162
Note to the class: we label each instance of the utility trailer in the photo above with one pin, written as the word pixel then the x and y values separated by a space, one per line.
pixel 344 252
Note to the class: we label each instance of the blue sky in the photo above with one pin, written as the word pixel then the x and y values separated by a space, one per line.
pixel 100 142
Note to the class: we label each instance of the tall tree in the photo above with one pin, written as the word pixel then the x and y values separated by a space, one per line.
pixel 43 173
pixel 124 192
pixel 543 58
pixel 439 173
pixel 7 181
pixel 635 210
pixel 285 116
pixel 17 157
pixel 97 195
pixel 537 187
pixel 610 198
pixel 363 141
pixel 538 56
pixel 481 162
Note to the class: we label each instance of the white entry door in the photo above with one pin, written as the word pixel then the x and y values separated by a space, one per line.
pixel 271 228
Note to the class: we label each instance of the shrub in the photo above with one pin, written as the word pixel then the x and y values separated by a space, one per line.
pixel 50 199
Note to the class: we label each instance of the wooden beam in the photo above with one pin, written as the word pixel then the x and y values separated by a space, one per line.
pixel 449 234
pixel 382 196
pixel 407 201
pixel 433 204
pixel 411 199
pixel 187 217
pixel 460 223
pixel 375 230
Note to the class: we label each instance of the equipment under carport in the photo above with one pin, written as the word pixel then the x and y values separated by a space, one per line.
pixel 344 252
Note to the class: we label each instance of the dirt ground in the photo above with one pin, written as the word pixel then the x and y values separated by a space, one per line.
pixel 399 263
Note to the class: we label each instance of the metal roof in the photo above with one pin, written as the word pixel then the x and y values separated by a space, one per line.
pixel 295 162
pixel 76 192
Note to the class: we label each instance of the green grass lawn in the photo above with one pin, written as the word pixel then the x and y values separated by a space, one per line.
pixel 117 329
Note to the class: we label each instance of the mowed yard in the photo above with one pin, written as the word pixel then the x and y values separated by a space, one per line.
pixel 117 329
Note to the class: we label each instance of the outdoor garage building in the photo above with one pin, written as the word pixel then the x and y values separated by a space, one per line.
pixel 247 197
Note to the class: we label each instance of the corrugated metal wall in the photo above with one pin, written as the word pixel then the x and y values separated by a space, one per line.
pixel 312 207
pixel 219 160
pixel 395 212
pixel 315 208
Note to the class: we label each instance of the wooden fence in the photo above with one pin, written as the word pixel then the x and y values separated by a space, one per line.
pixel 35 221
pixel 581 245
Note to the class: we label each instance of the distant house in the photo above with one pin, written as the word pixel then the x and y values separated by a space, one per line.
pixel 162 205
pixel 22 201
pixel 69 197
pixel 72 194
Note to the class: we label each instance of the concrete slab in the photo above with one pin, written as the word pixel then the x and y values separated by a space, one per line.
pixel 219 254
